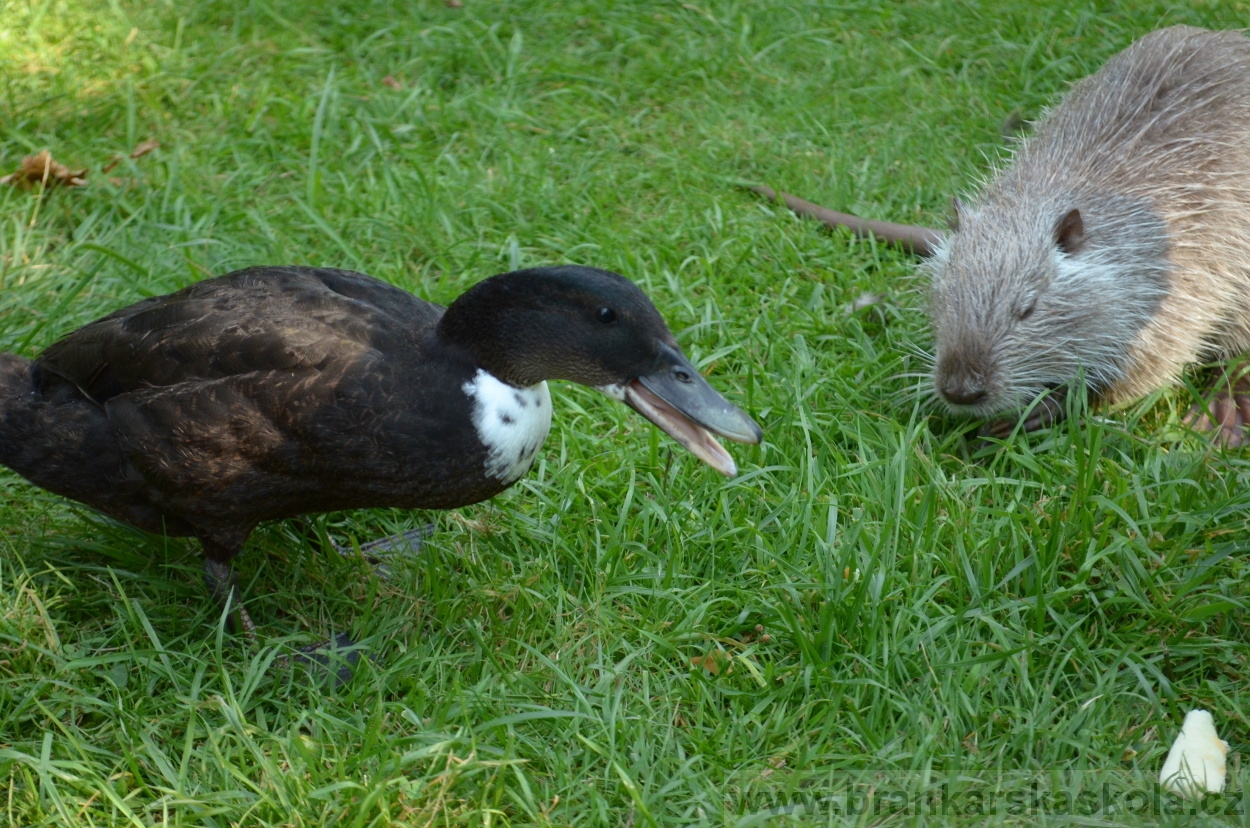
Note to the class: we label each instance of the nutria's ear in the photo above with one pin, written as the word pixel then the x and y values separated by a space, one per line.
pixel 1070 232
pixel 957 212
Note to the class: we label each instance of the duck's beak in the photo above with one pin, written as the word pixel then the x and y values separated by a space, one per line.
pixel 677 399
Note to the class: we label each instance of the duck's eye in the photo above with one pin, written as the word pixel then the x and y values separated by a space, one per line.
pixel 606 315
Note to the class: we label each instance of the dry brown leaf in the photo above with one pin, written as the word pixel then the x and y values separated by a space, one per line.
pixel 36 169
pixel 144 147
pixel 141 149
pixel 390 81
pixel 713 661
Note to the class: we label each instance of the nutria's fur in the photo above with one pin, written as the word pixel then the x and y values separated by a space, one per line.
pixel 1116 244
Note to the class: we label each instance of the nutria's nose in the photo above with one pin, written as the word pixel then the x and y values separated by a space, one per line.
pixel 962 375
pixel 962 390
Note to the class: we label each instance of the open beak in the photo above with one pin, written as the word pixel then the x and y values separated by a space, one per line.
pixel 680 402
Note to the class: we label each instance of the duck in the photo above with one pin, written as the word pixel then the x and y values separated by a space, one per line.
pixel 276 392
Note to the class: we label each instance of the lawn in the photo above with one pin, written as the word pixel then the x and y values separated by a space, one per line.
pixel 878 602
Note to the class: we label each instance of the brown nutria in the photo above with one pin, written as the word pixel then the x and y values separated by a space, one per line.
pixel 1116 244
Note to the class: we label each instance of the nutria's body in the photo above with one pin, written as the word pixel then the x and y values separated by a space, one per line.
pixel 1116 245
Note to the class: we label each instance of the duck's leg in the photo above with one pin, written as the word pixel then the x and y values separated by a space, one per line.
pixel 223 584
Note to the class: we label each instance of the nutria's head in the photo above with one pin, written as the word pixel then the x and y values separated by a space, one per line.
pixel 1027 296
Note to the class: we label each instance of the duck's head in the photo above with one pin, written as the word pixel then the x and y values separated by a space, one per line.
pixel 596 328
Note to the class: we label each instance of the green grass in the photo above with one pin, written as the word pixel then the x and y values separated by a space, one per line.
pixel 896 602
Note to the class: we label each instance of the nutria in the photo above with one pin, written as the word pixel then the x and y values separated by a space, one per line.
pixel 1116 244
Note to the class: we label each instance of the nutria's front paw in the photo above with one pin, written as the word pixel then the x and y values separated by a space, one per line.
pixel 1047 411
pixel 1227 413
pixel 998 429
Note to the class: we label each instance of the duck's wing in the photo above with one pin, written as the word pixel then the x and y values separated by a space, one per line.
pixel 253 446
pixel 256 320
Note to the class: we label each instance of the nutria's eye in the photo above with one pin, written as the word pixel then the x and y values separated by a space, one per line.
pixel 1026 307
pixel 606 315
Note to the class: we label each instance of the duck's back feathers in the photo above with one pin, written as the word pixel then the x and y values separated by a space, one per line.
pixel 58 439
pixel 259 319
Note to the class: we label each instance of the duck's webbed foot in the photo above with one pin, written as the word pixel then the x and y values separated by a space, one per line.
pixel 1044 413
pixel 378 552
pixel 1226 410
pixel 336 657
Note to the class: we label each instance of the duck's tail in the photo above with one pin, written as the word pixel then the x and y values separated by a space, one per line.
pixel 61 440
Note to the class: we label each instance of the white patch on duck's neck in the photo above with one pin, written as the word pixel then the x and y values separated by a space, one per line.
pixel 511 422
pixel 615 391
